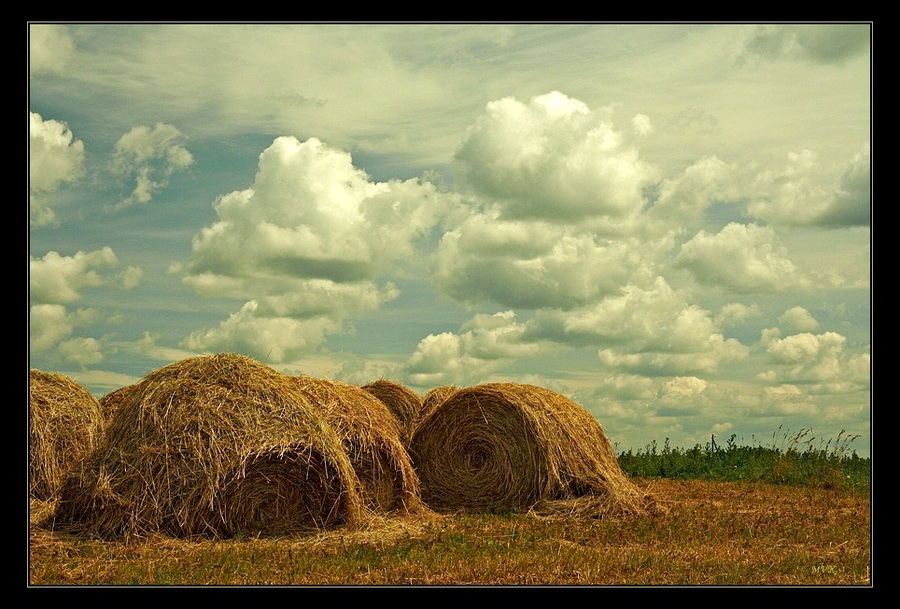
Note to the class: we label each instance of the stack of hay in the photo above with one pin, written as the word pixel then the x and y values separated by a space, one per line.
pixel 372 438
pixel 433 399
pixel 213 446
pixel 402 401
pixel 516 447
pixel 65 423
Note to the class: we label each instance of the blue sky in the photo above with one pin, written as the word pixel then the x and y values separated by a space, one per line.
pixel 670 223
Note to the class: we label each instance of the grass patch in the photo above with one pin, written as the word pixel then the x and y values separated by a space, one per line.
pixel 792 458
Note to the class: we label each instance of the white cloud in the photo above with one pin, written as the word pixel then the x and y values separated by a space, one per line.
pixel 49 48
pixel 554 159
pixel 56 279
pixel 683 387
pixel 687 196
pixel 800 319
pixel 807 358
pixel 54 158
pixel 486 343
pixel 270 339
pixel 741 258
pixel 530 264
pixel 83 351
pixel 306 244
pixel 735 312
pixel 150 156
pixel 805 192
pixel 48 324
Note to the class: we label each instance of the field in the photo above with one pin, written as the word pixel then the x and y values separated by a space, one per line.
pixel 792 513
pixel 712 533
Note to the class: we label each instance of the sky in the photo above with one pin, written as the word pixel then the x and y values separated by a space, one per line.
pixel 669 223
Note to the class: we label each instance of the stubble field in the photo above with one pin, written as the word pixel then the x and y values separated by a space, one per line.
pixel 709 533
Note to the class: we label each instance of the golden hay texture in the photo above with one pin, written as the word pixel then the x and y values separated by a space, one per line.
pixel 371 436
pixel 400 400
pixel 110 402
pixel 516 447
pixel 433 399
pixel 65 424
pixel 213 446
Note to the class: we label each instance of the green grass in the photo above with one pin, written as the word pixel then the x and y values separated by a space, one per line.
pixel 792 458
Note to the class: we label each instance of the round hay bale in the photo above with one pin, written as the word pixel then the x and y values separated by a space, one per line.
pixel 110 402
pixel 212 446
pixel 402 401
pixel 64 426
pixel 433 399
pixel 514 447
pixel 371 437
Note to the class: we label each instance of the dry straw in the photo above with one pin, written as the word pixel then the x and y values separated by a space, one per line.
pixel 433 399
pixel 402 401
pixel 516 447
pixel 213 446
pixel 110 402
pixel 65 424
pixel 371 437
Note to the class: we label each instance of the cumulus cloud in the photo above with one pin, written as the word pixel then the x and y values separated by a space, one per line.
pixel 51 324
pixel 305 246
pixel 554 159
pixel 49 48
pixel 651 331
pixel 799 319
pixel 54 158
pixel 741 258
pixel 734 313
pixel 530 264
pixel 149 157
pixel 48 325
pixel 486 343
pixel 818 43
pixel 83 351
pixel 801 193
pixel 688 195
pixel 56 279
pixel 806 358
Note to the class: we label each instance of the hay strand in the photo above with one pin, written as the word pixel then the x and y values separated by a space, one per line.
pixel 371 436
pixel 433 399
pixel 402 401
pixel 65 424
pixel 517 447
pixel 212 446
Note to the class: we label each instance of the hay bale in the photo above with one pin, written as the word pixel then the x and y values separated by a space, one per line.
pixel 110 402
pixel 65 424
pixel 433 399
pixel 212 446
pixel 516 447
pixel 371 436
pixel 402 401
